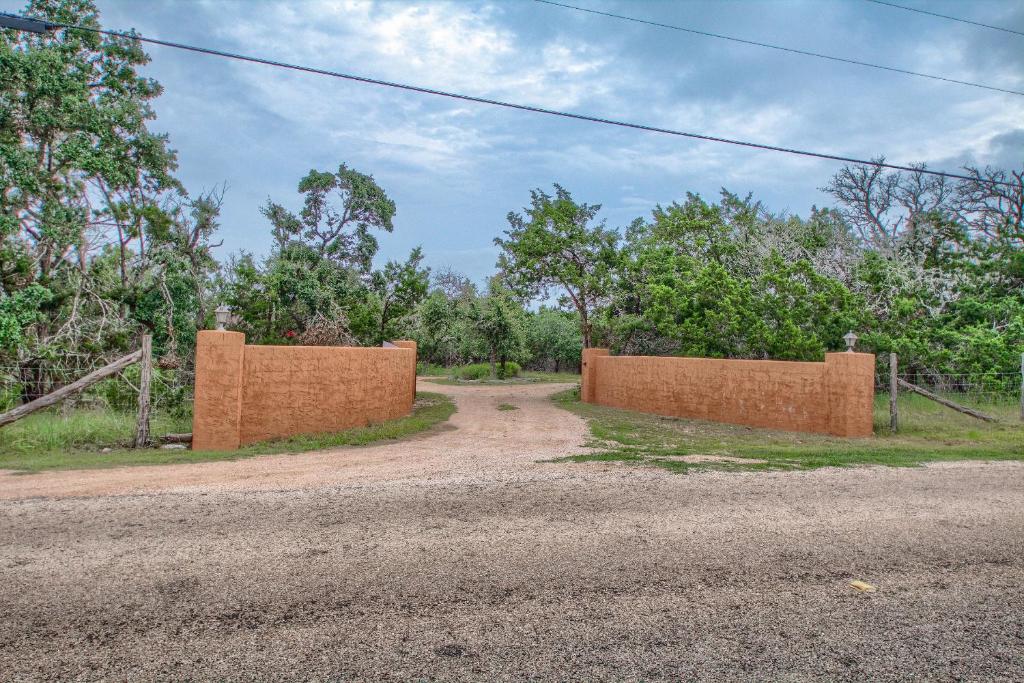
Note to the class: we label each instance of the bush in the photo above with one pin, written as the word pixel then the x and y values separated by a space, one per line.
pixel 430 370
pixel 477 371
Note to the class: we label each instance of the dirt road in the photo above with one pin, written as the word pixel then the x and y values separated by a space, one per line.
pixel 459 556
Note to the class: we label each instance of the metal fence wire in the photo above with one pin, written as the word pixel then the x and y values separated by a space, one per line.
pixel 999 395
pixel 171 389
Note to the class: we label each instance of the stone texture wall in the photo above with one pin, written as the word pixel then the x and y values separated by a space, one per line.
pixel 834 397
pixel 246 393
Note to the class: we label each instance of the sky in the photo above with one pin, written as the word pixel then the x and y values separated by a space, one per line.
pixel 456 169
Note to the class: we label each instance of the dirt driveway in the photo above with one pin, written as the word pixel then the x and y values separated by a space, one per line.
pixel 459 556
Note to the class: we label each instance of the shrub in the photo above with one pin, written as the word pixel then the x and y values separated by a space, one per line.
pixel 430 370
pixel 477 371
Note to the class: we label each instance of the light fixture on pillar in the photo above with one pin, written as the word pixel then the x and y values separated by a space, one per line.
pixel 851 340
pixel 223 314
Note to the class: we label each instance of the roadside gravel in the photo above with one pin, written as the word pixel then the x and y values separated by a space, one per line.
pixel 458 556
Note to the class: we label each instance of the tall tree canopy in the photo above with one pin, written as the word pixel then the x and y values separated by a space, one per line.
pixel 98 240
pixel 553 247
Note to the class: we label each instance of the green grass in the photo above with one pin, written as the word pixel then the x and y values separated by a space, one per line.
pixel 525 377
pixel 926 435
pixel 47 441
pixel 507 406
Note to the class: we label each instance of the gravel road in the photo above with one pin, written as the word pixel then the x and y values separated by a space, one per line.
pixel 459 556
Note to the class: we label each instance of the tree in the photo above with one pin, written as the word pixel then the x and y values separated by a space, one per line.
pixel 319 272
pixel 399 287
pixel 337 231
pixel 553 338
pixel 554 247
pixel 499 321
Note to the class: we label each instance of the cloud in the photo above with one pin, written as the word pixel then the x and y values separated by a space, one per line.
pixel 456 168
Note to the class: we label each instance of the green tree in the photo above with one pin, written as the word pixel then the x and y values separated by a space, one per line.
pixel 399 288
pixel 500 321
pixel 553 338
pixel 319 274
pixel 552 247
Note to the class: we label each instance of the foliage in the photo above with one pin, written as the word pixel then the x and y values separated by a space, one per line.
pixel 693 283
pixel 99 243
pixel 318 284
pixel 478 371
pixel 553 247
pixel 500 322
pixel 553 339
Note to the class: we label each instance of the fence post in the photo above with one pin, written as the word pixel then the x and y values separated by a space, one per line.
pixel 894 415
pixel 145 379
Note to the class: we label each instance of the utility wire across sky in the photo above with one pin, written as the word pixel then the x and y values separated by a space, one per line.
pixel 946 16
pixel 43 26
pixel 782 48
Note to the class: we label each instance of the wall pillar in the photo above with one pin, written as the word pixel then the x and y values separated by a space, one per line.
pixel 409 344
pixel 850 386
pixel 217 405
pixel 588 373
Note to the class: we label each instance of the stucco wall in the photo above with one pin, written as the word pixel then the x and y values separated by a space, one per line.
pixel 833 397
pixel 246 393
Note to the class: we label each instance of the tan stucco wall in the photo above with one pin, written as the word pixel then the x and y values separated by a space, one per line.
pixel 833 397
pixel 282 391
pixel 216 411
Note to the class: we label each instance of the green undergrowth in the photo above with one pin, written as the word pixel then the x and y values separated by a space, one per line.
pixel 48 441
pixel 641 439
pixel 524 377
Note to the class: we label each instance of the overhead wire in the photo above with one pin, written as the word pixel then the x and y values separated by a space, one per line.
pixel 782 48
pixel 947 16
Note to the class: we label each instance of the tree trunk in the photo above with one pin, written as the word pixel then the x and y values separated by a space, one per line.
pixel 494 368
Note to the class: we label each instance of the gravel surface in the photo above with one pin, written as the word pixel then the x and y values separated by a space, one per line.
pixel 458 556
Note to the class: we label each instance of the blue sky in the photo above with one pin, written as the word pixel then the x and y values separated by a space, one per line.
pixel 455 169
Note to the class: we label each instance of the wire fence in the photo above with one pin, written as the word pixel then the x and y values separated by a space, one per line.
pixel 171 390
pixel 995 394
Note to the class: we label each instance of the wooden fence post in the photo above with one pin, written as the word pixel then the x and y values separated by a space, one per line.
pixel 145 379
pixel 894 414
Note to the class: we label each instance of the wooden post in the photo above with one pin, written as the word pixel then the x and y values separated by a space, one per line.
pixel 54 397
pixel 894 389
pixel 145 379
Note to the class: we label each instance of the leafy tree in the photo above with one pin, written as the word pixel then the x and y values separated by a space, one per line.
pixel 319 272
pixel 82 175
pixel 399 288
pixel 500 321
pixel 553 247
pixel 338 231
pixel 553 338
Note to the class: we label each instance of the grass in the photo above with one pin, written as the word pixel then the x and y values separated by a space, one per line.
pixel 48 441
pixel 525 377
pixel 507 406
pixel 929 433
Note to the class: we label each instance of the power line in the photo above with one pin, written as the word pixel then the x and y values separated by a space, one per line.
pixel 521 107
pixel 782 48
pixel 946 16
